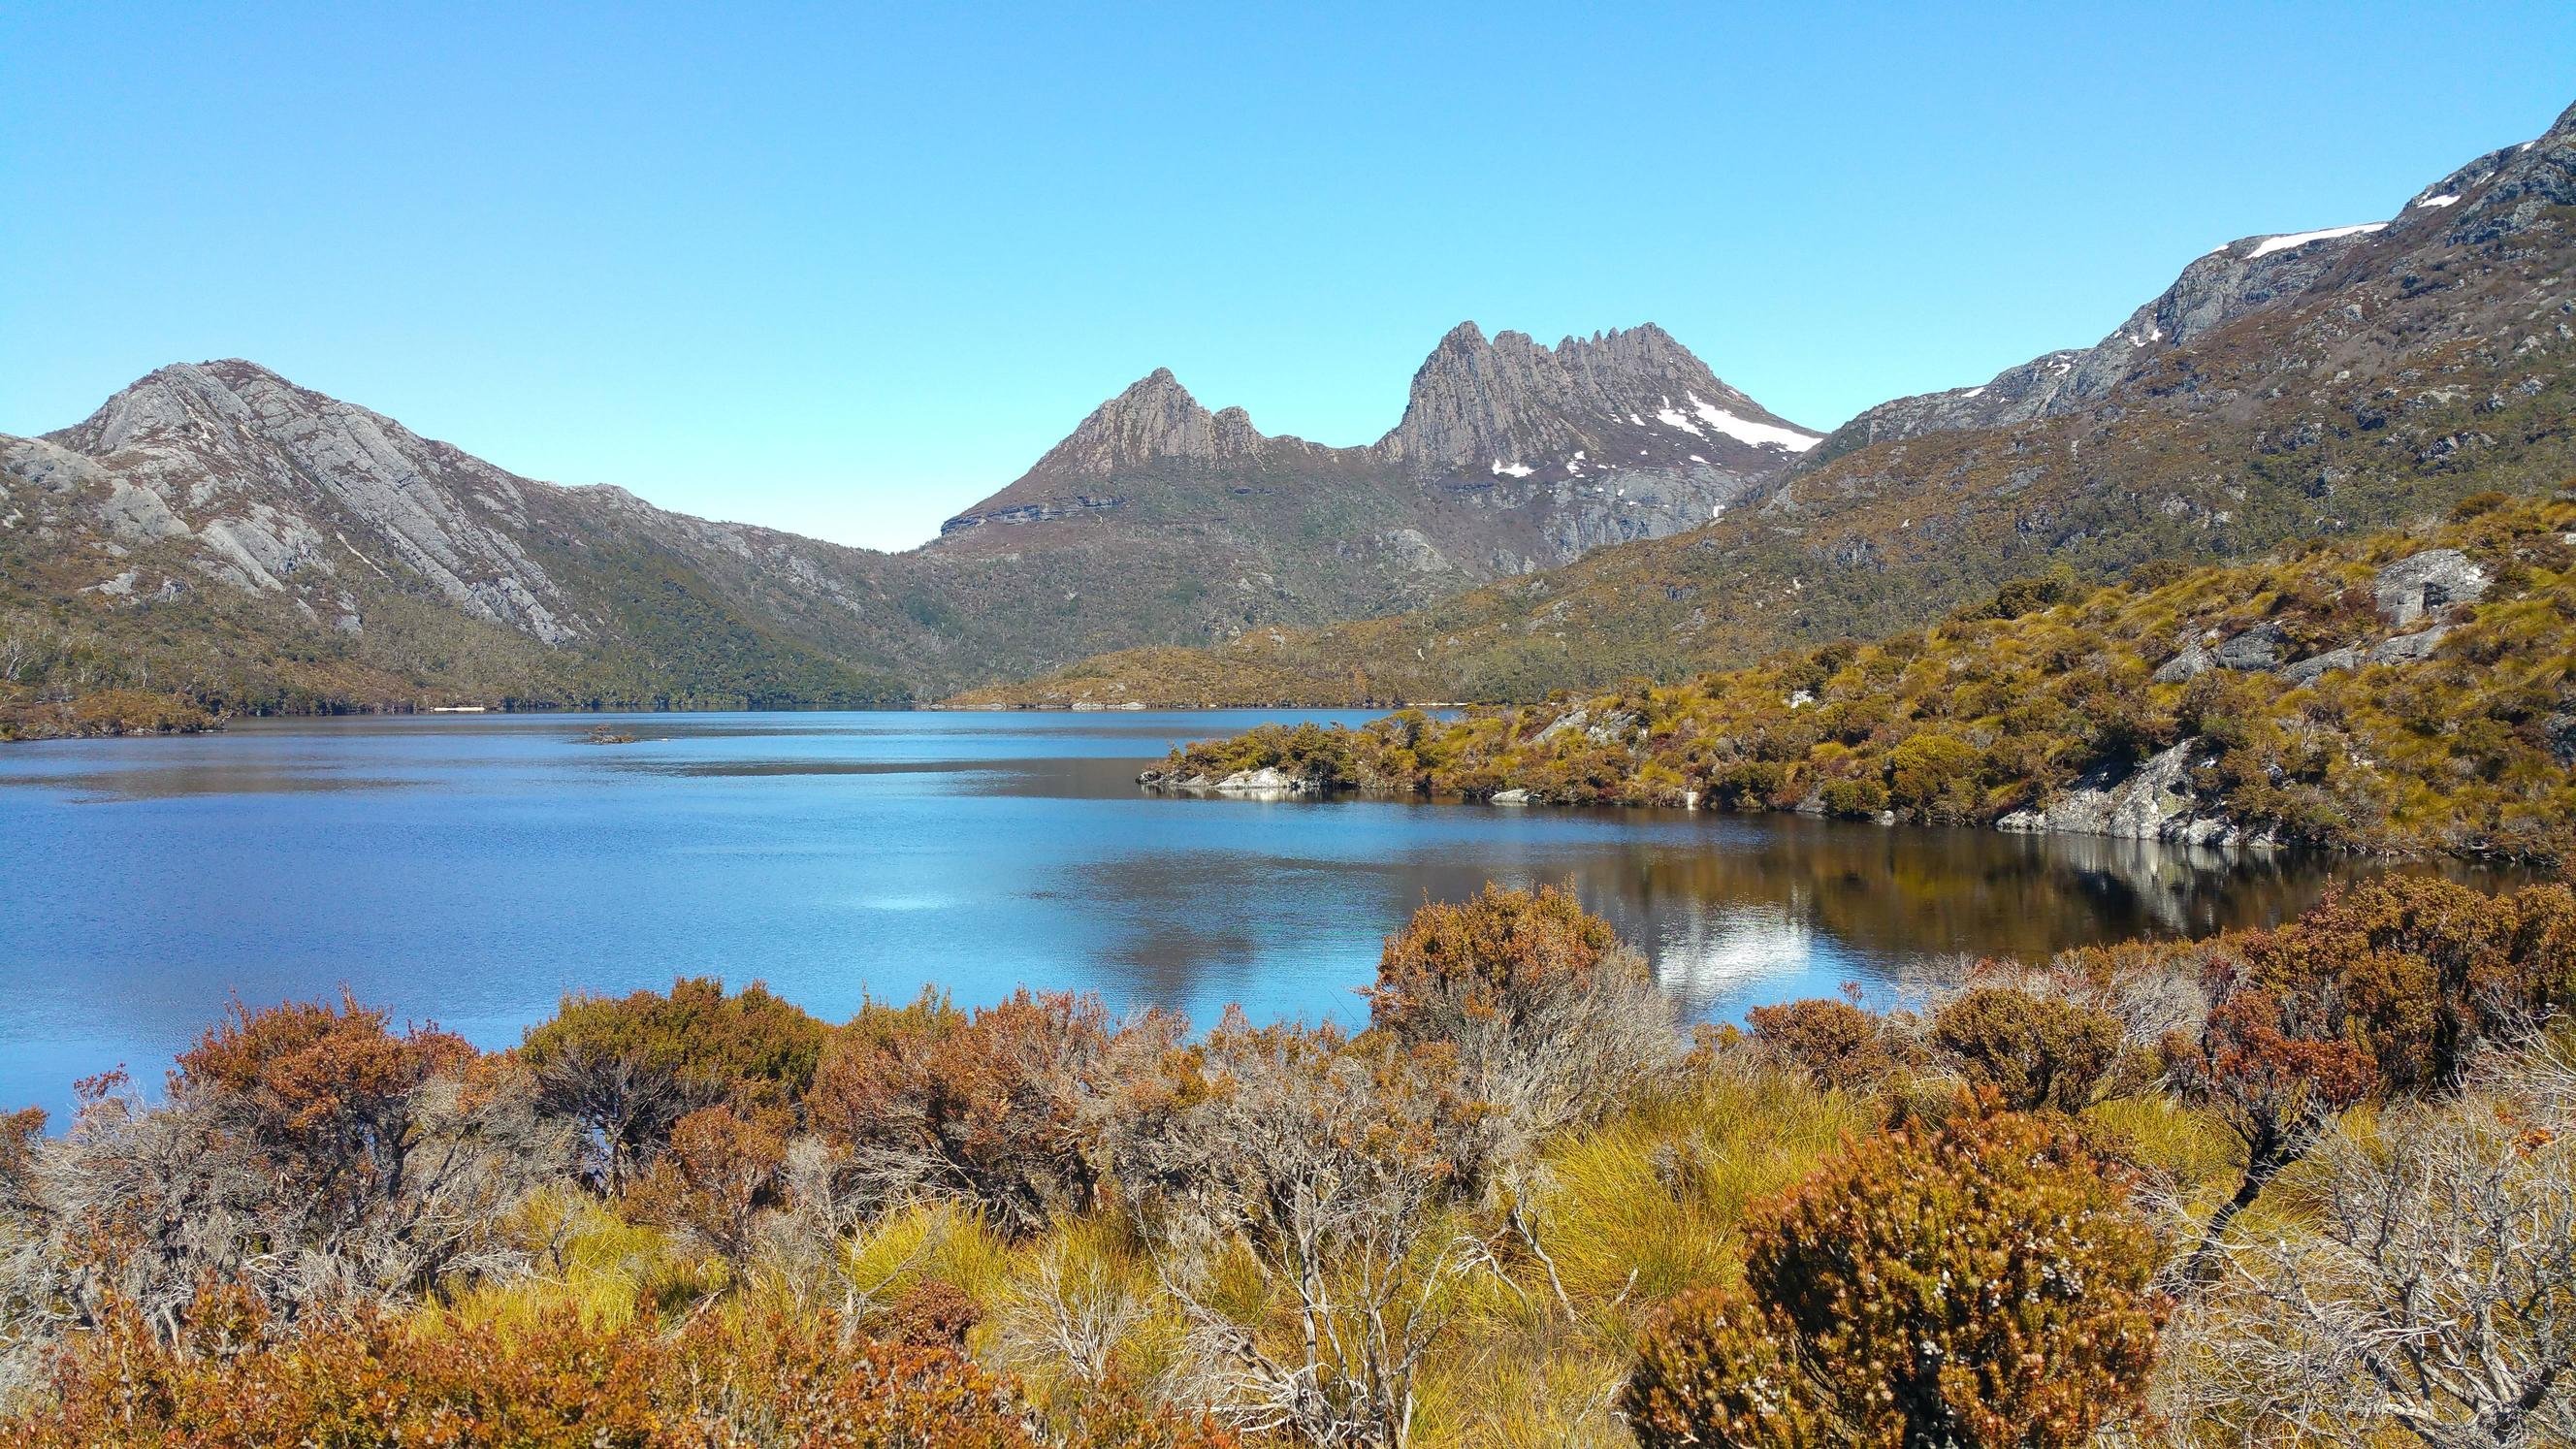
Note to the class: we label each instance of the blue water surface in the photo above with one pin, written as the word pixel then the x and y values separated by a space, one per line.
pixel 473 869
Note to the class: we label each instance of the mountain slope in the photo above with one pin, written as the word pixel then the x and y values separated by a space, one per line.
pixel 2283 388
pixel 217 531
pixel 1510 457
pixel 2404 692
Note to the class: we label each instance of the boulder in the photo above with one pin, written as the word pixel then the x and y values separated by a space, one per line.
pixel 2316 666
pixel 1269 780
pixel 1514 796
pixel 2156 801
pixel 1566 723
pixel 2408 648
pixel 2561 730
pixel 2409 587
pixel 2192 661
pixel 2260 647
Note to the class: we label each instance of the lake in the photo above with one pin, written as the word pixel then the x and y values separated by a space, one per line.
pixel 473 869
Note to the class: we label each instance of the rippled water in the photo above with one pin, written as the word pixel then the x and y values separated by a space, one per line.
pixel 473 869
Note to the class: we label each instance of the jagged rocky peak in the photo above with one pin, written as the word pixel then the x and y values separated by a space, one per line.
pixel 183 401
pixel 1510 401
pixel 1154 421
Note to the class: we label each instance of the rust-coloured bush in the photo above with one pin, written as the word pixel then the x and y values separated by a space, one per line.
pixel 628 1068
pixel 2427 969
pixel 236 1378
pixel 721 1169
pixel 325 1092
pixel 1502 953
pixel 989 1107
pixel 935 1314
pixel 1834 1042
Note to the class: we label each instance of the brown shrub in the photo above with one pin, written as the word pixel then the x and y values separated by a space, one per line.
pixel 721 1169
pixel 323 1092
pixel 991 1107
pixel 628 1068
pixel 2033 1052
pixel 1503 953
pixel 935 1314
pixel 235 1378
pixel 1835 1043
pixel 1977 1283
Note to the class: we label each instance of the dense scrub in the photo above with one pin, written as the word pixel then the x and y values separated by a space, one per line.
pixel 26 716
pixel 2175 1192
pixel 2051 685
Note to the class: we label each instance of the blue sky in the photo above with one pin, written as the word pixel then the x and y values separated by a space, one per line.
pixel 844 270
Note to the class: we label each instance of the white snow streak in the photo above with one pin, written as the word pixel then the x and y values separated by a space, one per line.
pixel 2271 244
pixel 1745 430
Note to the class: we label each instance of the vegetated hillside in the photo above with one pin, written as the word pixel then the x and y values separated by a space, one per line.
pixel 2200 1188
pixel 2405 692
pixel 2283 388
pixel 218 535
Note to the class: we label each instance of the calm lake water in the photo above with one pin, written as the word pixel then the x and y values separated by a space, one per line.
pixel 474 869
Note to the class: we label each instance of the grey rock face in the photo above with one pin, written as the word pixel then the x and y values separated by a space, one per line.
pixel 2408 648
pixel 2561 730
pixel 2260 647
pixel 2525 182
pixel 2191 662
pixel 1507 450
pixel 2157 801
pixel 1154 420
pixel 2317 666
pixel 2499 194
pixel 266 476
pixel 2212 291
pixel 2428 580
pixel 1476 403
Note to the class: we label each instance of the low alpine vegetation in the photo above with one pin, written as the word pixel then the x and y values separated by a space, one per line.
pixel 2305 1185
pixel 2405 693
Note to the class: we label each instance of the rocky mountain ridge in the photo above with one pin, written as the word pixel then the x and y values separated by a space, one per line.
pixel 2283 388
pixel 285 549
pixel 1522 426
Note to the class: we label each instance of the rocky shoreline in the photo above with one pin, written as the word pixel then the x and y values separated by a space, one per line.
pixel 2156 802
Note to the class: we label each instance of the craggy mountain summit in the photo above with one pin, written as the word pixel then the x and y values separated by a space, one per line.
pixel 216 530
pixel 2285 387
pixel 1511 456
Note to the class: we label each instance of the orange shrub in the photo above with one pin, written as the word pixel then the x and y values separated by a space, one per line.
pixel 1836 1043
pixel 721 1169
pixel 238 1379
pixel 1500 954
pixel 325 1092
pixel 990 1107
pixel 628 1068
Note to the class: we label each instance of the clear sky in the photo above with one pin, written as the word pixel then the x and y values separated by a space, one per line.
pixel 845 269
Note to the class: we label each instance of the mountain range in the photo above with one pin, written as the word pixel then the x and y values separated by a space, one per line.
pixel 216 530
pixel 2284 388
pixel 1540 518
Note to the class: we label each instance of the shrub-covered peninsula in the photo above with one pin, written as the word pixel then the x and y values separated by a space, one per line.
pixel 2410 692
